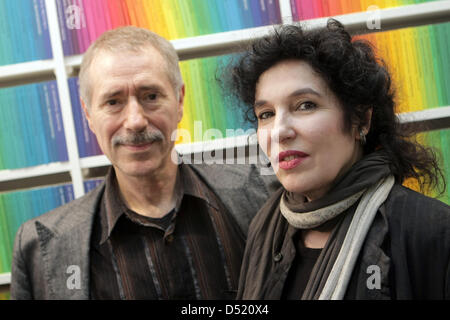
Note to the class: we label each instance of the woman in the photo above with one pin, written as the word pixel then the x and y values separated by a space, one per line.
pixel 342 226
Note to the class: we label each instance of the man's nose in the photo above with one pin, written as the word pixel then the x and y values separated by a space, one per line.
pixel 135 116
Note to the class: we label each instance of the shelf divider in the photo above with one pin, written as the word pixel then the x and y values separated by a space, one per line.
pixel 64 97
pixel 5 278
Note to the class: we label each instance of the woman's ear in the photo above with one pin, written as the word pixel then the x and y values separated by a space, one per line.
pixel 365 127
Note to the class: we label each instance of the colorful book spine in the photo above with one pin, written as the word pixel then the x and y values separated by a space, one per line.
pixel 87 142
pixel 32 128
pixel 91 184
pixel 273 11
pixel 60 140
pixel 312 9
pixel 24 34
pixel 82 21
pixel 438 140
pixel 20 206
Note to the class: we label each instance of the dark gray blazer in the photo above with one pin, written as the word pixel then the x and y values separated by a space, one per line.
pixel 52 251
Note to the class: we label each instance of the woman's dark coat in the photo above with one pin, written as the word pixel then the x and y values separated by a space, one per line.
pixel 406 254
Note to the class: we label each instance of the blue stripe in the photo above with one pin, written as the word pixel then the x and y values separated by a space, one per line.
pixel 222 253
pixel 198 293
pixel 152 269
pixel 116 271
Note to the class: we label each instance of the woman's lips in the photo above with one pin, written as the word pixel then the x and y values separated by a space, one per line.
pixel 290 159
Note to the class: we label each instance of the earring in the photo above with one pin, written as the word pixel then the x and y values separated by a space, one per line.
pixel 362 137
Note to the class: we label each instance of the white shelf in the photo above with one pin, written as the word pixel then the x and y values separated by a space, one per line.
pixel 236 41
pixel 94 161
pixel 61 74
pixel 14 72
pixel 391 18
pixel 40 170
pixel 73 61
pixel 5 278
pixel 285 11
pixel 425 115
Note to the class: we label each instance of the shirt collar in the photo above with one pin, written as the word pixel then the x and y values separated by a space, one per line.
pixel 187 183
pixel 194 186
pixel 113 205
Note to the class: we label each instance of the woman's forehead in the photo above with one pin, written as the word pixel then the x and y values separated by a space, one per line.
pixel 289 77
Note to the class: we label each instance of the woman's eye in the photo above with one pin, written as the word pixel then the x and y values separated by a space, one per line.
pixel 308 105
pixel 265 115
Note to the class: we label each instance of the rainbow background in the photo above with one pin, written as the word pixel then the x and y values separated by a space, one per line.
pixel 172 19
pixel 24 34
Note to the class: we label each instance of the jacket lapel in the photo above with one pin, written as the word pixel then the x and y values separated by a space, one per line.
pixel 371 281
pixel 65 246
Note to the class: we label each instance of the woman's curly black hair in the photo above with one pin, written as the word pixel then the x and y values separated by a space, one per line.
pixel 358 79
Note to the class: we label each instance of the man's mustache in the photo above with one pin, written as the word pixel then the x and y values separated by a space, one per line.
pixel 138 138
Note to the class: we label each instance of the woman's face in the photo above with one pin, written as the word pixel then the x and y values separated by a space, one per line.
pixel 301 129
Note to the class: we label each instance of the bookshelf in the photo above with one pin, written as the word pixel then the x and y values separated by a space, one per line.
pixel 61 67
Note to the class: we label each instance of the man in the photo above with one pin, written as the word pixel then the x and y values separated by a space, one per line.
pixel 154 229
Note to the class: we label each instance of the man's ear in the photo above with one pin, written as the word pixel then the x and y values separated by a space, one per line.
pixel 86 113
pixel 181 102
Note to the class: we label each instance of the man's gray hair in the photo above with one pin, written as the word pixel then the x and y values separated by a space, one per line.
pixel 132 39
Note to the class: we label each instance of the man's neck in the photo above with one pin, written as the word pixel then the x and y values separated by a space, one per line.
pixel 152 195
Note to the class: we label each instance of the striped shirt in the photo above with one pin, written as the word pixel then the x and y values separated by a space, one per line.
pixel 193 252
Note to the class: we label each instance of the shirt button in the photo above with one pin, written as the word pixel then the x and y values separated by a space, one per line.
pixel 169 238
pixel 277 257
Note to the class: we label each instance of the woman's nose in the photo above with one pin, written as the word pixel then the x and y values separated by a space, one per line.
pixel 283 129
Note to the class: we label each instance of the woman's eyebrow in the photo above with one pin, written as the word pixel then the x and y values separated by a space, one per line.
pixel 304 91
pixel 296 93
pixel 259 103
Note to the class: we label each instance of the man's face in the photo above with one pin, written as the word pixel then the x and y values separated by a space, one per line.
pixel 134 110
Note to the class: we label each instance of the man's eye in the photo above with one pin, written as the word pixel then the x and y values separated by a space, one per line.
pixel 151 96
pixel 112 102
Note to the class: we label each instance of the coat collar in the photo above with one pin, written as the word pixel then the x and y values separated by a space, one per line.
pixel 64 239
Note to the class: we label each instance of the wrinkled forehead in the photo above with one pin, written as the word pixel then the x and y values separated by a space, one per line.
pixel 121 58
pixel 128 70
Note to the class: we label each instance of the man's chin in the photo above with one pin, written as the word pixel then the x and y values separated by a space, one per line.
pixel 135 168
pixel 139 169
